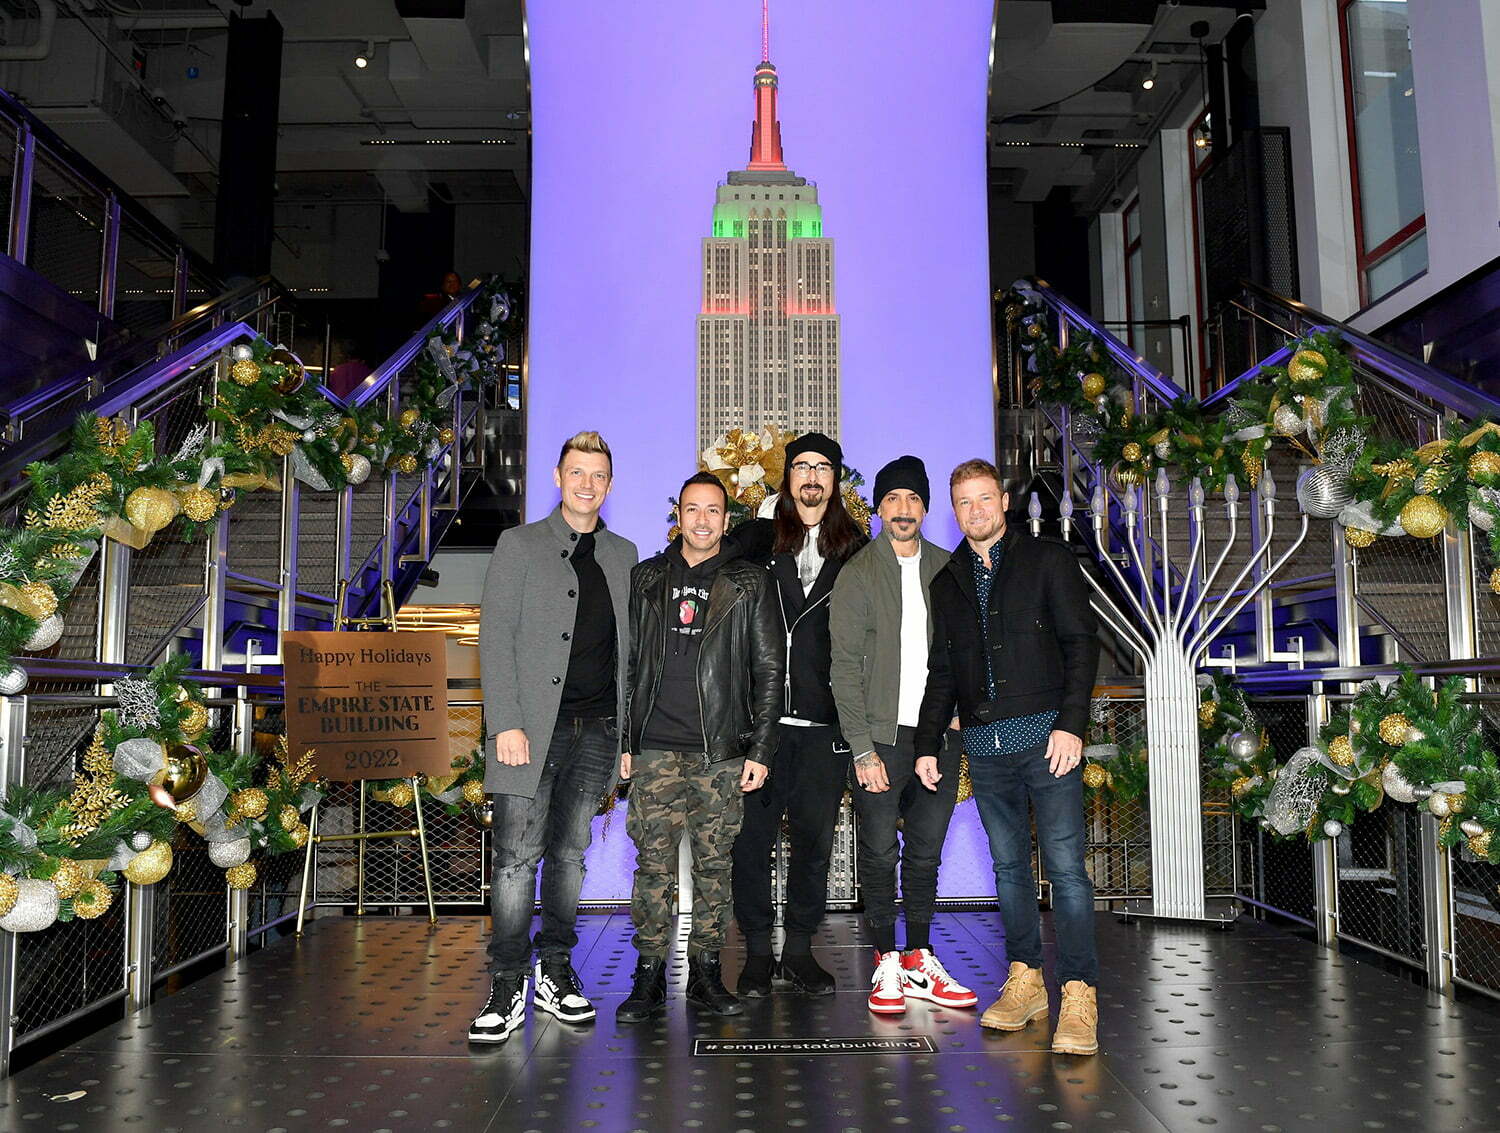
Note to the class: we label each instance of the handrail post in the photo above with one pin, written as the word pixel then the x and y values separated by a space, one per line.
pixel 12 771
pixel 110 256
pixel 286 601
pixel 1325 851
pixel 20 192
pixel 241 740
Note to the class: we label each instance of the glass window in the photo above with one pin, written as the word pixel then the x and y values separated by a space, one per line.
pixel 1380 101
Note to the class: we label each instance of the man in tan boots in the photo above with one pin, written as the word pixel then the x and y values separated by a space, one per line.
pixel 1015 648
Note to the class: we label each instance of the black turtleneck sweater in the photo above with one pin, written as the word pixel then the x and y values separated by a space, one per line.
pixel 589 691
pixel 676 721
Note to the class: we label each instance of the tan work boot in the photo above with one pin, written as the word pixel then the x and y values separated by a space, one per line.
pixel 1077 1020
pixel 1022 999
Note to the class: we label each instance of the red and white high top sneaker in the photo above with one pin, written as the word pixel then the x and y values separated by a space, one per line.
pixel 924 977
pixel 887 997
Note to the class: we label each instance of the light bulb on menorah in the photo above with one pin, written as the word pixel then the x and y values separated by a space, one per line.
pixel 1171 628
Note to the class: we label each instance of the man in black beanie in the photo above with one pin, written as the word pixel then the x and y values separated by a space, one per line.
pixel 803 544
pixel 881 629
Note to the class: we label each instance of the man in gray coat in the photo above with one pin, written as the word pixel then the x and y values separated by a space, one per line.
pixel 880 630
pixel 553 638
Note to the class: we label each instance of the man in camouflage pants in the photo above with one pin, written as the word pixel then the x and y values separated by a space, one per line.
pixel 707 662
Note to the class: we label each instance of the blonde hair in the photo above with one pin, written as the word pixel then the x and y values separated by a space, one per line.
pixel 973 470
pixel 587 441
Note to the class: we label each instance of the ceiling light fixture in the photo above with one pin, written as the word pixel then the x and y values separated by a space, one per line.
pixel 362 60
pixel 1150 80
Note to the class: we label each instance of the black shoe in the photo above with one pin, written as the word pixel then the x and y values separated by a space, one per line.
pixel 755 977
pixel 502 1013
pixel 648 993
pixel 805 974
pixel 706 985
pixel 559 993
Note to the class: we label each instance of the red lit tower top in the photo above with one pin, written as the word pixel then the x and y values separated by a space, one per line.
pixel 765 135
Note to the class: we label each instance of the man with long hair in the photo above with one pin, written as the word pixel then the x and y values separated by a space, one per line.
pixel 810 536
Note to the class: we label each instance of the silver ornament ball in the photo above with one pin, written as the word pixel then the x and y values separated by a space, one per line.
pixel 1163 449
pixel 1333 828
pixel 1480 518
pixel 1341 787
pixel 1323 492
pixel 46 634
pixel 1287 421
pixel 242 352
pixel 1437 803
pixel 1396 785
pixel 1471 827
pixel 35 908
pixel 1243 745
pixel 309 435
pixel 227 854
pixel 140 840
pixel 12 680
pixel 359 469
pixel 1420 791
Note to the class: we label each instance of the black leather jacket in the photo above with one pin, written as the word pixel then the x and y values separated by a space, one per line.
pixel 741 659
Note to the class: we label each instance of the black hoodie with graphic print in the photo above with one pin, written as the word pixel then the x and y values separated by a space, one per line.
pixel 676 721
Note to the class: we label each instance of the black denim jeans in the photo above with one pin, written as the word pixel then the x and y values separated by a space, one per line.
pixel 1002 784
pixel 924 819
pixel 807 787
pixel 553 828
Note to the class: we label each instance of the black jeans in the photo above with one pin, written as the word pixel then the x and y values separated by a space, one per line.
pixel 555 828
pixel 807 787
pixel 924 819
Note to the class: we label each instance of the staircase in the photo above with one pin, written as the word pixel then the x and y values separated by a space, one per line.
pixel 1400 599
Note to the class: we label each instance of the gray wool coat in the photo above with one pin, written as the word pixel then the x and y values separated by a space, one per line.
pixel 529 603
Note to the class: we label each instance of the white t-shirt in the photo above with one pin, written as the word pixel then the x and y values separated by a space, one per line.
pixel 913 641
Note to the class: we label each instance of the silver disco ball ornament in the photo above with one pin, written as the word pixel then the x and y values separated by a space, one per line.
pixel 242 352
pixel 1396 785
pixel 1323 492
pixel 12 680
pixel 1243 745
pixel 1287 421
pixel 1163 449
pixel 46 634
pixel 1333 828
pixel 1421 791
pixel 140 840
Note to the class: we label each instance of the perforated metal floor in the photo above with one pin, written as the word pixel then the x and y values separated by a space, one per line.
pixel 362 1025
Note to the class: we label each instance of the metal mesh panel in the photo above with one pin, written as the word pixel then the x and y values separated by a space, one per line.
pixel 1380 881
pixel 1118 856
pixel 1277 872
pixel 1486 601
pixel 7 166
pixel 145 278
pixel 317 541
pixel 190 912
pixel 1476 893
pixel 66 240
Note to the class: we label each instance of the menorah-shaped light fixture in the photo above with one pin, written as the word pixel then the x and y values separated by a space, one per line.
pixel 1171 630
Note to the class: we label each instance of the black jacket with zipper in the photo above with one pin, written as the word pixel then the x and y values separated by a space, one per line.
pixel 807 693
pixel 741 658
pixel 1040 630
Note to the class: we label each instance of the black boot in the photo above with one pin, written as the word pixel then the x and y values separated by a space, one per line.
pixel 755 977
pixel 805 974
pixel 648 993
pixel 706 985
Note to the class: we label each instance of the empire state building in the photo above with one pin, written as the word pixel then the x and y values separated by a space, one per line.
pixel 768 334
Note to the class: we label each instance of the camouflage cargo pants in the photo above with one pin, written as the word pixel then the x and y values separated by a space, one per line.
pixel 672 792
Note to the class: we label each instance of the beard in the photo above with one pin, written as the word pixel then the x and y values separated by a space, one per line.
pixel 811 494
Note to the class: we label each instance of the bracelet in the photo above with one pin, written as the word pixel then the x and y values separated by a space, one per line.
pixel 864 760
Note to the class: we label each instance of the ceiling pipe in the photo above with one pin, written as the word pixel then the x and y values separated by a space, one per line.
pixel 46 24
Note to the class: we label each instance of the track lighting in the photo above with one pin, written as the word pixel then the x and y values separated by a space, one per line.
pixel 1150 80
pixel 362 60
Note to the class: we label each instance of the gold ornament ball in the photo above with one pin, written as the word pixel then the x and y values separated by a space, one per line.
pixel 289 817
pixel 1484 465
pixel 42 598
pixel 1207 711
pixel 1479 844
pixel 1131 451
pixel 400 795
pixel 245 372
pixel 194 719
pixel 473 792
pixel 1307 366
pixel 92 900
pixel 445 436
pixel 199 504
pixel 1093 775
pixel 293 372
pixel 249 803
pixel 1422 517
pixel 10 890
pixel 186 770
pixel 151 509
pixel 407 464
pixel 150 865
pixel 1033 330
pixel 1093 385
pixel 1393 729
pixel 298 834
pixel 1358 537
pixel 240 876
pixel 69 877
pixel 1457 803
pixel 1341 751
pixel 1241 784
pixel 1495 581
pixel 409 417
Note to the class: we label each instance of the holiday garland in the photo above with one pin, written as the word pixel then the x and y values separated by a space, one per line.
pixel 113 483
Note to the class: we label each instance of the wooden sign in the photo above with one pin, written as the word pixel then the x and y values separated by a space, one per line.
pixel 371 705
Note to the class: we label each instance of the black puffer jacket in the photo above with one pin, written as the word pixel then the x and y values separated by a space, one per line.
pixel 741 659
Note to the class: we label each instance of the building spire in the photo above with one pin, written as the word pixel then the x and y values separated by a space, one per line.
pixel 765 135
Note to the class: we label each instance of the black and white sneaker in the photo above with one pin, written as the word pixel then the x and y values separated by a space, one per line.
pixel 502 1013
pixel 559 993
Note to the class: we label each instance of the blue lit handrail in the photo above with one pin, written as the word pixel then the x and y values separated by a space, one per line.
pixel 1394 365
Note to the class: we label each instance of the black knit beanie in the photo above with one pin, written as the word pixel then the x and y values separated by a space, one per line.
pixel 904 472
pixel 819 443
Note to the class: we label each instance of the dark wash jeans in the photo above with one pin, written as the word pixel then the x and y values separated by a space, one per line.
pixel 1002 784
pixel 924 827
pixel 554 828
pixel 807 786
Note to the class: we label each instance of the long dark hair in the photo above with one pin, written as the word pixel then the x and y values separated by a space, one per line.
pixel 838 536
